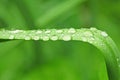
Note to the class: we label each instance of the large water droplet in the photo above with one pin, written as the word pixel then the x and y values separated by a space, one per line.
pixel 27 38
pixel 104 34
pixel 45 38
pixel 66 37
pixel 54 38
pixel 36 38
pixel 71 30
pixel 11 37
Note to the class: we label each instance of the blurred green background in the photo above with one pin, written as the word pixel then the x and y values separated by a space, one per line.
pixel 59 60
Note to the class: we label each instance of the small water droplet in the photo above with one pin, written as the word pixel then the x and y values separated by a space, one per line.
pixel 16 31
pixel 71 30
pixel 27 38
pixel 47 31
pixel 54 38
pixel 11 37
pixel 88 34
pixel 59 31
pixel 92 28
pixel 45 38
pixel 38 32
pixel 36 38
pixel 66 37
pixel 91 40
pixel 104 34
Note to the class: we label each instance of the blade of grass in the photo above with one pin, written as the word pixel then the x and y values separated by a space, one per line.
pixel 98 38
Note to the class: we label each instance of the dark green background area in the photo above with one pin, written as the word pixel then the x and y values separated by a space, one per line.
pixel 56 60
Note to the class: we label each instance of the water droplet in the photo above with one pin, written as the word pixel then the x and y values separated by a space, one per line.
pixel 104 34
pixel 71 30
pixel 66 37
pixel 27 38
pixel 59 31
pixel 38 32
pixel 36 38
pixel 54 38
pixel 47 31
pixel 16 31
pixel 91 40
pixel 11 37
pixel 88 34
pixel 92 28
pixel 45 38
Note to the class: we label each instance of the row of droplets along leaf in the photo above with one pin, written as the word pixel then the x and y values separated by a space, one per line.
pixel 83 34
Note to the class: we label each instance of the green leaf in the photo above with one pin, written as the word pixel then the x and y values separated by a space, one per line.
pixel 98 38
